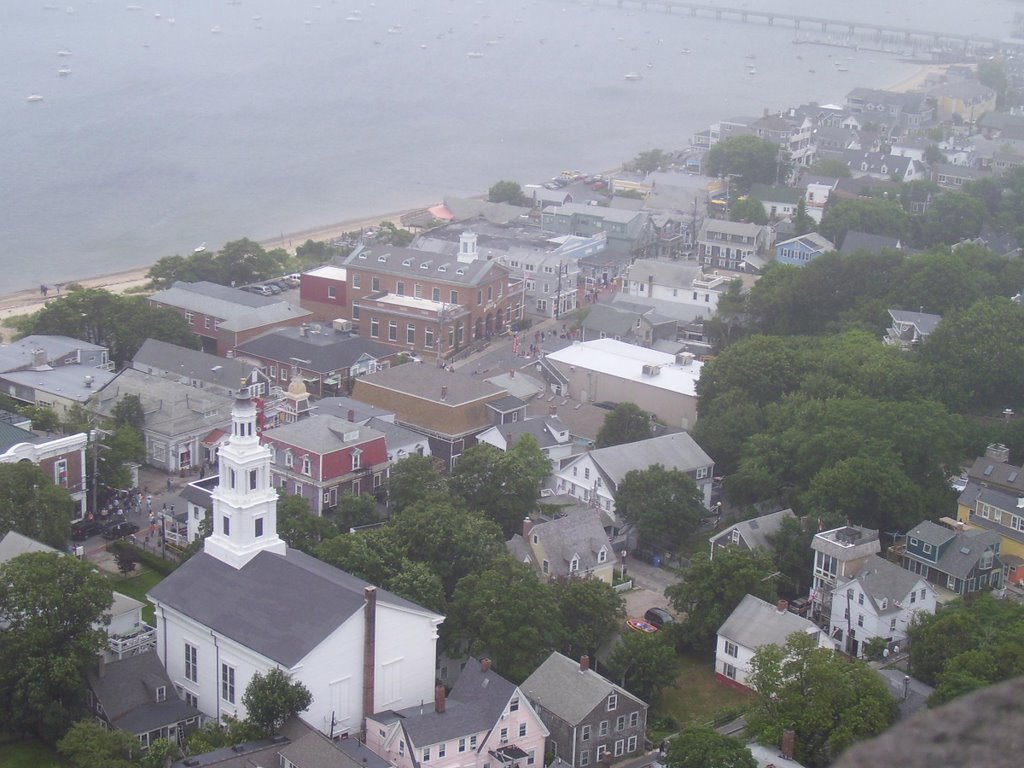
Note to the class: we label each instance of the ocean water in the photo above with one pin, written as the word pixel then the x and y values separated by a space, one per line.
pixel 201 121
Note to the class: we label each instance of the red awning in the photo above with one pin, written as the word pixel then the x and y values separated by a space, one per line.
pixel 440 211
pixel 214 437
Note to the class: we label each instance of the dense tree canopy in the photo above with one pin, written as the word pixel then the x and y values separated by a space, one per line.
pixel 238 262
pixel 506 192
pixel 711 588
pixel 299 527
pixel 748 209
pixel 591 611
pixel 703 747
pixel 52 608
pixel 271 698
pixel 648 161
pixel 626 423
pixel 665 505
pixel 829 701
pixel 33 506
pixel 644 664
pixel 872 215
pixel 747 159
pixel 414 478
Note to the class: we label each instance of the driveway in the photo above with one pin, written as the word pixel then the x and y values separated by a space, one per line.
pixel 649 585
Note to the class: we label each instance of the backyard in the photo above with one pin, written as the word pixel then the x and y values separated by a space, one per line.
pixel 28 754
pixel 696 697
pixel 137 585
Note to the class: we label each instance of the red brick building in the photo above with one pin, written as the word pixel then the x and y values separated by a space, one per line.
pixel 324 292
pixel 428 302
pixel 225 317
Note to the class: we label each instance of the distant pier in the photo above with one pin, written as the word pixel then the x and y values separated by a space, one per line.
pixel 906 36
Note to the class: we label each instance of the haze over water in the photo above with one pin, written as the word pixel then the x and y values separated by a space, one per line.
pixel 167 135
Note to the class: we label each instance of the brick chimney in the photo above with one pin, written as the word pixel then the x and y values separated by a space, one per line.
pixel 369 648
pixel 444 391
pixel 527 527
pixel 485 665
pixel 351 414
pixel 783 606
pixel 584 663
pixel 552 410
pixel 439 699
pixel 788 739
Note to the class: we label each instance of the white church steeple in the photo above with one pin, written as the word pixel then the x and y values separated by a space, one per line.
pixel 244 502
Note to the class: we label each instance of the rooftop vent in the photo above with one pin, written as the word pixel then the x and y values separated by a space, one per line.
pixel 651 370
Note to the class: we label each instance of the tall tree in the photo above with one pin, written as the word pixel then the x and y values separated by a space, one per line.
pixel 53 609
pixel 507 613
pixel 90 744
pixel 504 485
pixel 33 506
pixel 128 411
pixel 271 698
pixel 506 192
pixel 874 216
pixel 645 664
pixel 802 221
pixel 711 589
pixel 704 747
pixel 665 505
pixel 748 209
pixel 648 161
pixel 748 159
pixel 828 701
pixel 413 478
pixel 299 527
pixel 626 423
pixel 592 611
pixel 952 217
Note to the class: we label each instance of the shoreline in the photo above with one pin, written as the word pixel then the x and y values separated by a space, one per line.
pixel 30 300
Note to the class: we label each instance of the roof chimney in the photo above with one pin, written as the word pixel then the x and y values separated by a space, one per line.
pixel 511 373
pixel 527 526
pixel 101 666
pixel 783 606
pixel 444 391
pixel 485 665
pixel 439 699
pixel 369 647
pixel 788 740
pixel 351 414
pixel 552 410
pixel 998 452
pixel 584 663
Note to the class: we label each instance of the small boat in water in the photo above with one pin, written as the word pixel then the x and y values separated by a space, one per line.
pixel 475 55
pixel 34 97
pixel 633 76
pixel 64 71
pixel 63 52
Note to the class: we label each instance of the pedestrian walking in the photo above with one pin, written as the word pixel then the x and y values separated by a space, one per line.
pixel 168 485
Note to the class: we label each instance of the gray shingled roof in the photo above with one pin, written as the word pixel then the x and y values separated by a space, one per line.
pixel 580 533
pixel 674 451
pixel 923 321
pixel 610 320
pixel 189 363
pixel 474 705
pixel 560 687
pixel 961 555
pixel 862 241
pixel 255 605
pixel 993 472
pixel 425 380
pixel 322 433
pixel 340 406
pixel 755 623
pixel 391 260
pixel 127 691
pixel 881 579
pixel 755 532
pixel 326 351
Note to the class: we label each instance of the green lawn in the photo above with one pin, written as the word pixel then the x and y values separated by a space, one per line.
pixel 137 585
pixel 28 754
pixel 696 696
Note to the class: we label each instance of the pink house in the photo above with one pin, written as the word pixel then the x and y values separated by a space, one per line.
pixel 485 722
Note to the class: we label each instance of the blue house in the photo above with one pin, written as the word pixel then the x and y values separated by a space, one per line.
pixel 800 250
pixel 955 561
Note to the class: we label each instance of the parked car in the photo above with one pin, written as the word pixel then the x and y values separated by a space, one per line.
pixel 84 529
pixel 658 617
pixel 260 290
pixel 119 530
pixel 273 288
pixel 292 281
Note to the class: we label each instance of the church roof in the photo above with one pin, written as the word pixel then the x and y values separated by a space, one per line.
pixel 257 606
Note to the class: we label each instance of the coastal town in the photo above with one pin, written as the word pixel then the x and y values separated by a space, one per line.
pixel 713 459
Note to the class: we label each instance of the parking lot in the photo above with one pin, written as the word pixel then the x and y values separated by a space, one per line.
pixel 649 585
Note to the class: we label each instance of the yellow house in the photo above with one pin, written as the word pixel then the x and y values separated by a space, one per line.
pixel 994 500
pixel 572 546
pixel 967 98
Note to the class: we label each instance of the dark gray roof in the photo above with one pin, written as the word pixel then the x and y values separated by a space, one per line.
pixel 610 320
pixel 540 427
pixel 326 351
pixel 931 533
pixel 755 623
pixel 127 691
pixel 340 407
pixel 580 533
pixel 314 750
pixel 560 687
pixel 155 355
pixel 993 472
pixel 322 434
pixel 256 605
pixel 674 451
pixel 506 404
pixel 392 260
pixel 198 491
pixel 962 554
pixel 474 705
pixel 862 241
pixel 883 580
pixel 923 321
pixel 396 436
pixel 755 532
pixel 768 193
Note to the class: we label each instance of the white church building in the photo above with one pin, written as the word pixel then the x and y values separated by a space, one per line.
pixel 248 603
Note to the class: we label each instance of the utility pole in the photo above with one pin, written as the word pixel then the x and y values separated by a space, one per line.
pixel 94 438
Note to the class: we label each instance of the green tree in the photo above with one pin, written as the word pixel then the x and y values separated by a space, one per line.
pixel 33 506
pixel 711 589
pixel 626 423
pixel 356 510
pixel 313 253
pixel 271 698
pixel 299 527
pixel 375 556
pixel 591 612
pixel 507 613
pixel 392 235
pixel 647 161
pixel 506 192
pixel 644 664
pixel 90 744
pixel 830 167
pixel 42 418
pixel 827 700
pixel 413 478
pixel 992 72
pixel 128 411
pixel 802 221
pixel 126 559
pixel 704 747
pixel 748 209
pixel 53 609
pixel 665 505
pixel 215 735
pixel 748 157
pixel 419 583
pixel 874 216
pixel 952 217
pixel 122 446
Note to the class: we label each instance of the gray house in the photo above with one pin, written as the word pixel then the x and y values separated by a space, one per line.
pixel 591 719
pixel 751 534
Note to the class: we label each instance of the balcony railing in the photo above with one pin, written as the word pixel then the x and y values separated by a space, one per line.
pixel 132 645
